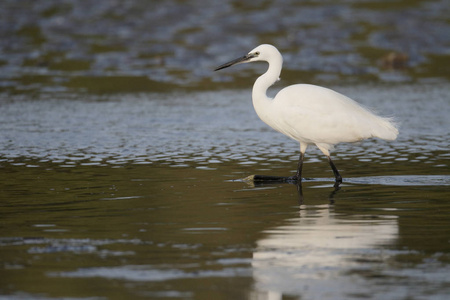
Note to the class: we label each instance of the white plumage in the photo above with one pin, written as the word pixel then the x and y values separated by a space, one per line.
pixel 311 114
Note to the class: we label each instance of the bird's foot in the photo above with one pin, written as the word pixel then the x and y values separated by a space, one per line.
pixel 294 178
pixel 338 181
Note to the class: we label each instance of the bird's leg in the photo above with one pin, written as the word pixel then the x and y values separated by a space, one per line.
pixel 298 175
pixel 300 166
pixel 335 172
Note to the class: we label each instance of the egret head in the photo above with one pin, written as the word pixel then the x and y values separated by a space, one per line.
pixel 260 53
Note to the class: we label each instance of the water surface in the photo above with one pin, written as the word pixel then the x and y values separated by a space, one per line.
pixel 138 196
pixel 122 153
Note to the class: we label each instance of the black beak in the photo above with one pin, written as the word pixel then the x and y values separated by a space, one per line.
pixel 236 61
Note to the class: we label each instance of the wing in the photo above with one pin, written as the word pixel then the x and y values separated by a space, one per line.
pixel 314 114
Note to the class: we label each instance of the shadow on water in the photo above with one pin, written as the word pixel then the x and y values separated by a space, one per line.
pixel 298 185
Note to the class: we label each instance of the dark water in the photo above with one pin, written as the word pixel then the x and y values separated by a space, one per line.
pixel 122 153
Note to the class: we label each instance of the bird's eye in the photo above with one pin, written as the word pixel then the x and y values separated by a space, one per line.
pixel 257 53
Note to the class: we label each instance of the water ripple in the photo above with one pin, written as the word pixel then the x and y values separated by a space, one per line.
pixel 207 129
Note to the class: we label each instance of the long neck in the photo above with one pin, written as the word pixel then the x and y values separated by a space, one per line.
pixel 259 93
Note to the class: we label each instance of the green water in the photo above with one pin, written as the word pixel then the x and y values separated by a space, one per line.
pixel 150 231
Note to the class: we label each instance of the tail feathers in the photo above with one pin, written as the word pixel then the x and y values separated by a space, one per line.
pixel 386 129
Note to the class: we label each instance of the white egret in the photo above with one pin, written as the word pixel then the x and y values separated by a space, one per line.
pixel 311 114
